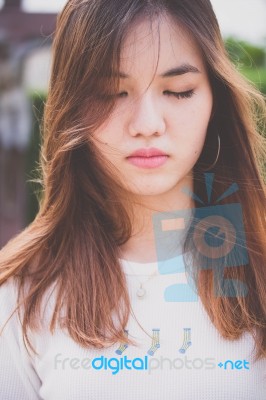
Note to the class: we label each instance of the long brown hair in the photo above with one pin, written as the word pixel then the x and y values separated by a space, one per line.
pixel 84 213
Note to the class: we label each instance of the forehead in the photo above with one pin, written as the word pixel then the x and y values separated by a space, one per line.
pixel 160 39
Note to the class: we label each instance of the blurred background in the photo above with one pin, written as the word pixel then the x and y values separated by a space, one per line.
pixel 26 33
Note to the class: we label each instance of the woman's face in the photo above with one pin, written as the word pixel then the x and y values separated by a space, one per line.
pixel 170 115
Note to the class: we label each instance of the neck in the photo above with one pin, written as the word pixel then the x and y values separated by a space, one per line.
pixel 141 247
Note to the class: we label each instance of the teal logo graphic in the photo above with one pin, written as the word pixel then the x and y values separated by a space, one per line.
pixel 155 342
pixel 187 341
pixel 217 236
pixel 123 346
pixel 118 364
pixel 238 364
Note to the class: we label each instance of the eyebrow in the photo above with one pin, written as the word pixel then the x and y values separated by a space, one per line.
pixel 180 70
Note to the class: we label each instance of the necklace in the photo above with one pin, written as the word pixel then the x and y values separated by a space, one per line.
pixel 141 291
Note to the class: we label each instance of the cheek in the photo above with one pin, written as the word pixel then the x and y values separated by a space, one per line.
pixel 190 127
pixel 189 147
pixel 201 107
pixel 109 133
pixel 193 115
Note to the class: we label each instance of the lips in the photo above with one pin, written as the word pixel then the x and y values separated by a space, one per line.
pixel 147 152
pixel 148 158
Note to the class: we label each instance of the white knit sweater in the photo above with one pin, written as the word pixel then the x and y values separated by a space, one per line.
pixel 184 358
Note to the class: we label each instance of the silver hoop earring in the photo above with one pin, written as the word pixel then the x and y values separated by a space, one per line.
pixel 218 153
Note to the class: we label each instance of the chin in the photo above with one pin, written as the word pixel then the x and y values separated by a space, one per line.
pixel 153 187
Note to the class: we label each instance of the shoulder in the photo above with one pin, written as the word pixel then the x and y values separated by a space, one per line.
pixel 9 302
pixel 10 327
pixel 8 298
pixel 18 378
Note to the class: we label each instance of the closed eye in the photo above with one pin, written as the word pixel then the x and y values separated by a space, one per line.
pixel 179 95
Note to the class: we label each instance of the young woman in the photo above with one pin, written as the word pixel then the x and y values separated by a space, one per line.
pixel 143 274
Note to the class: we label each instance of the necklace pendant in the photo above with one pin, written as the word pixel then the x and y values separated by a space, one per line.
pixel 141 292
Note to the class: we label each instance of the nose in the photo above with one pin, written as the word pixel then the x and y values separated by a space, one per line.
pixel 146 117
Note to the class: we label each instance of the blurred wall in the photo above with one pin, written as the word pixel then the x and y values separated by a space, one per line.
pixel 25 41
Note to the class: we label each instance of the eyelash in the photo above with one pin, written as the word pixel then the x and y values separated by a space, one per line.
pixel 183 95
